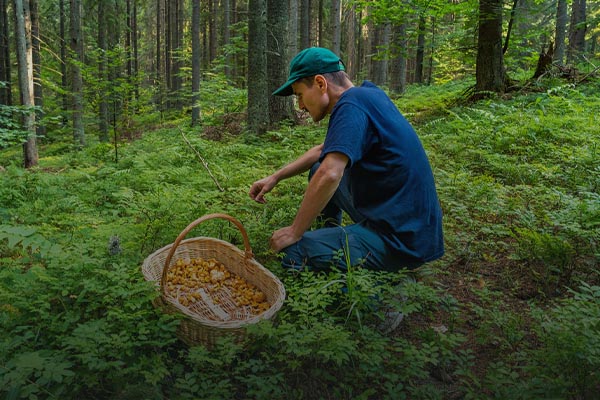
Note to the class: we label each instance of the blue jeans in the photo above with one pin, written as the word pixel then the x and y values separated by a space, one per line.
pixel 334 245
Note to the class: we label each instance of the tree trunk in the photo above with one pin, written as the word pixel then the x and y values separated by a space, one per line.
pixel 160 59
pixel 5 88
pixel 489 69
pixel 304 24
pixel 63 63
pixel 293 29
pixel 321 27
pixel 280 108
pixel 213 43
pixel 351 51
pixel 196 48
pixel 102 75
pixel 513 12
pixel 38 94
pixel 420 56
pixel 561 31
pixel 169 28
pixel 258 103
pixel 226 38
pixel 76 76
pixel 380 62
pixel 136 84
pixel 398 67
pixel 25 69
pixel 577 30
pixel 336 26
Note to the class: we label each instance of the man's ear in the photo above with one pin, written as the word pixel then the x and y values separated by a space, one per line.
pixel 321 82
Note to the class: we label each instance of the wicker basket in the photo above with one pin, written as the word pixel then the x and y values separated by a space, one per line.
pixel 204 321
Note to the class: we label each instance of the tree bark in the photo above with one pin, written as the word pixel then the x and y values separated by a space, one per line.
pixel 76 76
pixel 336 26
pixel 420 56
pixel 380 62
pixel 399 65
pixel 489 69
pixel 280 108
pixel 214 6
pixel 293 29
pixel 258 104
pixel 351 50
pixel 577 30
pixel 102 74
pixel 25 69
pixel 196 60
pixel 5 70
pixel 63 62
pixel 561 31
pixel 305 6
pixel 226 37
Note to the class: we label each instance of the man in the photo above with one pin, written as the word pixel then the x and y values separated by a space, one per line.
pixel 371 165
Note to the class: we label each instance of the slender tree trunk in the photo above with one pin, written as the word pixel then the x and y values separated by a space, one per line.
pixel 399 65
pixel 102 75
pixel 37 67
pixel 304 24
pixel 168 50
pixel 510 25
pixel 367 36
pixel 577 30
pixel 336 26
pixel 177 52
pixel 320 20
pixel 489 72
pixel 561 31
pixel 258 104
pixel 420 57
pixel 226 38
pixel 380 63
pixel 158 73
pixel 64 62
pixel 431 53
pixel 293 29
pixel 128 48
pixel 196 48
pixel 280 108
pixel 213 43
pixel 136 84
pixel 5 89
pixel 76 76
pixel 25 69
pixel 351 51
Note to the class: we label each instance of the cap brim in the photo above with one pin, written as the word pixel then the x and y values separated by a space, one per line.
pixel 285 89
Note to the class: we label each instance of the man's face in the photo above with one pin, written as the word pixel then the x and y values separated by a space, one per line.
pixel 313 99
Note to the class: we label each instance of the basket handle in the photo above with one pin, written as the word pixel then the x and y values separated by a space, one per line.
pixel 183 234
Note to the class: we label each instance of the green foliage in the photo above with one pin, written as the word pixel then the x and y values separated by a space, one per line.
pixel 518 181
pixel 11 128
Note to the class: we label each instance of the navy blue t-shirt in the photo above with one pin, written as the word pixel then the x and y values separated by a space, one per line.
pixel 390 177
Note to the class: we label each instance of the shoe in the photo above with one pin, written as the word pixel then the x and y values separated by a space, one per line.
pixel 390 322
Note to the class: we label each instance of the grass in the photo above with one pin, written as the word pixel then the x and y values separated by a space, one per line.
pixel 518 180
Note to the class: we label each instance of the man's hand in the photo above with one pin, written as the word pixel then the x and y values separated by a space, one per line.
pixel 283 238
pixel 262 187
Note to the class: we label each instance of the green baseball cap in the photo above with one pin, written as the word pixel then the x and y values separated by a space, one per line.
pixel 310 62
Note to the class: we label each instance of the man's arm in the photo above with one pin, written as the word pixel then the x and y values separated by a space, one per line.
pixel 320 190
pixel 302 164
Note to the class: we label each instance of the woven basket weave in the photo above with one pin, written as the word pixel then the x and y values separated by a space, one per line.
pixel 204 322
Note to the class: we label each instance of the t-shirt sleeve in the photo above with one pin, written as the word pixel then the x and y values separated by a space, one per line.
pixel 348 133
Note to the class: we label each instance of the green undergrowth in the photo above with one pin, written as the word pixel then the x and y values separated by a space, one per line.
pixel 518 180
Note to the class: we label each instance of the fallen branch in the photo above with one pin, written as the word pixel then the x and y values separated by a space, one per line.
pixel 588 75
pixel 202 160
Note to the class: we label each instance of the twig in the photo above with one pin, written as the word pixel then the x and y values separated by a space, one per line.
pixel 201 160
pixel 589 74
